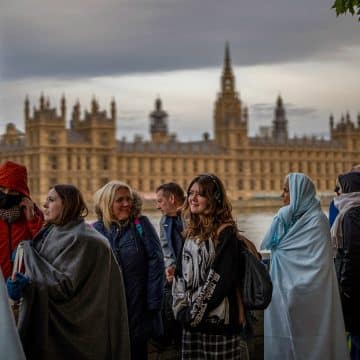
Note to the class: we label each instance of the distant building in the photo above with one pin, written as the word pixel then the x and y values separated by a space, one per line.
pixel 88 154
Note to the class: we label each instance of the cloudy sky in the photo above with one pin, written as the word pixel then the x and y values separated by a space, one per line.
pixel 136 50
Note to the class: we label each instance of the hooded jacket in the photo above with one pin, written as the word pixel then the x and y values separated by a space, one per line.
pixel 14 177
pixel 348 255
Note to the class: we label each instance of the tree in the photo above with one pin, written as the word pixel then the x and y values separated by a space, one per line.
pixel 344 6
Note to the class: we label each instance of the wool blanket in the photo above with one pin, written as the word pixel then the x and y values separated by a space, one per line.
pixel 75 306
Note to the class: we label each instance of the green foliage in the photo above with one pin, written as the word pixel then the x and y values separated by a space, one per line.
pixel 344 6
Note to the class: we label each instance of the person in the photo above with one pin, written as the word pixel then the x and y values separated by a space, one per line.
pixel 333 211
pixel 346 240
pixel 20 218
pixel 137 248
pixel 74 304
pixel 169 199
pixel 206 299
pixel 304 319
pixel 10 345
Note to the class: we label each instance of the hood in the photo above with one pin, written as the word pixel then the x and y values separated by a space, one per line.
pixel 14 176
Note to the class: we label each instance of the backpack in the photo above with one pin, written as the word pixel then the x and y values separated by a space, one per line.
pixel 256 285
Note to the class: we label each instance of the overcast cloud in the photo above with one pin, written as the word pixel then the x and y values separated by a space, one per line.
pixel 96 38
pixel 174 48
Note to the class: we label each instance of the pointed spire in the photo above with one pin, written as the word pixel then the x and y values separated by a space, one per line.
pixel 228 81
pixel 113 109
pixel 27 107
pixel 63 106
pixel 227 58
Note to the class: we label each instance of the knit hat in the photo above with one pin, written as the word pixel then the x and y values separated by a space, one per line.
pixel 14 176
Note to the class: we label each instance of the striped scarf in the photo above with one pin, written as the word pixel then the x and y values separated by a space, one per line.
pixel 11 215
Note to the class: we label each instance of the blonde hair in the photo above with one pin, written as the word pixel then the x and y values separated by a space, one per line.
pixel 104 199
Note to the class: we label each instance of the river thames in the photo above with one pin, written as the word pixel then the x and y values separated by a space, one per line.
pixel 253 222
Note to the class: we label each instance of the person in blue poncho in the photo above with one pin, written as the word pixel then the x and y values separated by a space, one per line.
pixel 304 320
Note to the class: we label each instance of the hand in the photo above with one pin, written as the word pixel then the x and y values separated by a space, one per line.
pixel 16 287
pixel 169 273
pixel 28 208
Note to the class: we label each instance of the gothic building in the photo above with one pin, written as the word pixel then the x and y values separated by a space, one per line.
pixel 87 154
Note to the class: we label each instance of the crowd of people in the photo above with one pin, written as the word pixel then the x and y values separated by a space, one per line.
pixel 71 288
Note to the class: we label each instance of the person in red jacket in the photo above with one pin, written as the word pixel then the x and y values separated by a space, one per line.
pixel 20 218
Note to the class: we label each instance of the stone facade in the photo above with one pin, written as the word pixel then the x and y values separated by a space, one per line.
pixel 87 154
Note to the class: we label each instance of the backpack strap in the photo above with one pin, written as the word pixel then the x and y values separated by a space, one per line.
pixel 139 227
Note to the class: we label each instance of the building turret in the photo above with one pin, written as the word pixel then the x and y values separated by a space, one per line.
pixel 42 102
pixel 94 106
pixel 113 110
pixel 27 108
pixel 331 121
pixel 63 107
pixel 158 123
pixel 280 131
pixel 346 132
pixel 230 120
pixel 75 114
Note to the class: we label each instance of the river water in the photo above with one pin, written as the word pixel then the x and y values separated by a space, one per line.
pixel 253 222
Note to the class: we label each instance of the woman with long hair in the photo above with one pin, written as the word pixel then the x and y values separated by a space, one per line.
pixel 206 299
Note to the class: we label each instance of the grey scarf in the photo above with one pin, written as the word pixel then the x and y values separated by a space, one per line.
pixel 343 203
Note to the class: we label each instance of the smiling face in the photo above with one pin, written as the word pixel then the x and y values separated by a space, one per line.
pixel 197 201
pixel 53 207
pixel 121 207
pixel 286 192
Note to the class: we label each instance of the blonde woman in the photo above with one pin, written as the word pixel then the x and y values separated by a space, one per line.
pixel 137 248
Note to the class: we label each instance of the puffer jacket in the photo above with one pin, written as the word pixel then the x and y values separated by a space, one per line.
pixel 138 252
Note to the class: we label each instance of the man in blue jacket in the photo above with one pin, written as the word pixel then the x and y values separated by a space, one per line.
pixel 169 200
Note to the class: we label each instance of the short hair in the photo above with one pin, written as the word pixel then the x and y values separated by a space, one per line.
pixel 74 205
pixel 104 199
pixel 172 188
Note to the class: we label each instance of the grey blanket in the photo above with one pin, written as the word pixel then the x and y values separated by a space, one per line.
pixel 75 306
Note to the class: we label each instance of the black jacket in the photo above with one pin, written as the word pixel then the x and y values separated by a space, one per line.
pixel 348 270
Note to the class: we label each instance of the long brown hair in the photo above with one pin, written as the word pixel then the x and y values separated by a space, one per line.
pixel 73 203
pixel 218 211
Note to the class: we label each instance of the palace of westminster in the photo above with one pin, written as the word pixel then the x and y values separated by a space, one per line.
pixel 87 154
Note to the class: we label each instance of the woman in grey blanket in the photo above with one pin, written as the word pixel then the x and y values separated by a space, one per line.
pixel 74 305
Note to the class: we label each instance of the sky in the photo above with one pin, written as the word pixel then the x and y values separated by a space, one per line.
pixel 136 50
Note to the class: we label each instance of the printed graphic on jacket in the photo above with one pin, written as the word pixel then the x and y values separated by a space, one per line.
pixel 198 282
